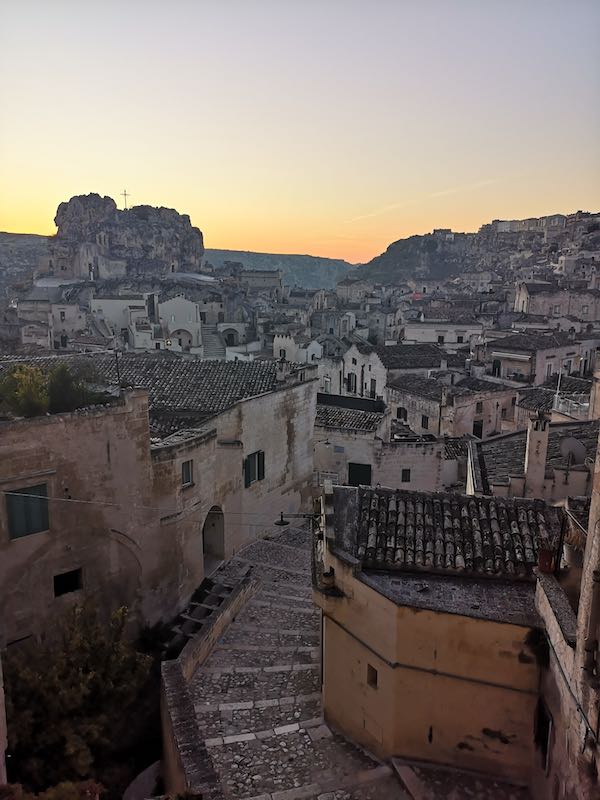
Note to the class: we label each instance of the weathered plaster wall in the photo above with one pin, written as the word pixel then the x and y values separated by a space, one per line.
pixel 450 689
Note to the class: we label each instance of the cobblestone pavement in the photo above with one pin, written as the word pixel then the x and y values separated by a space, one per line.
pixel 257 697
pixel 258 702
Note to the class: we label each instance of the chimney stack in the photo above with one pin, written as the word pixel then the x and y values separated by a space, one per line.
pixel 538 431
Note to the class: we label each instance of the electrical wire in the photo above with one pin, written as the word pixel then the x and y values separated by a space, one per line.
pixel 120 505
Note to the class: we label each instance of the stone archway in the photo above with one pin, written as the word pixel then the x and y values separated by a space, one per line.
pixel 213 539
pixel 231 336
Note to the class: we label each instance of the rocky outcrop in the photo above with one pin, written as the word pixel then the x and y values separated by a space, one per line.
pixel 96 240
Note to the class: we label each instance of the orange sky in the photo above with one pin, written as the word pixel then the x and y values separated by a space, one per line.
pixel 301 127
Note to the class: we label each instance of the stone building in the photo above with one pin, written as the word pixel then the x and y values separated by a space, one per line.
pixel 367 370
pixel 468 406
pixel 354 445
pixel 430 637
pixel 3 736
pixel 535 357
pixel 550 461
pixel 134 502
pixel 554 301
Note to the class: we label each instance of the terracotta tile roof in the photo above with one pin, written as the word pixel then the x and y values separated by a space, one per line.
pixel 347 418
pixel 532 341
pixel 502 456
pixel 182 392
pixel 398 530
pixel 432 388
pixel 411 356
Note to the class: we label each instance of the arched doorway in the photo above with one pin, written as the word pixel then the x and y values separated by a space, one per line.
pixel 213 539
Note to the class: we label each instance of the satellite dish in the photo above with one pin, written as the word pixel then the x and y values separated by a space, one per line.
pixel 573 451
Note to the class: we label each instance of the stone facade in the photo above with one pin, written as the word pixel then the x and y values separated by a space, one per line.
pixel 132 523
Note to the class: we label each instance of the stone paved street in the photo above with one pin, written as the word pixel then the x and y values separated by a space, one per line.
pixel 257 701
pixel 257 698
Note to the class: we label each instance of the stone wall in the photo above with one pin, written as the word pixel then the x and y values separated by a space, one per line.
pixel 186 762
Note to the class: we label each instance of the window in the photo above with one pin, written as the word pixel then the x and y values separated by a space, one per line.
pixel 62 316
pixel 479 407
pixel 371 676
pixel 351 383
pixel 27 510
pixel 503 414
pixel 157 346
pixel 543 733
pixel 549 370
pixel 282 353
pixel 460 339
pixel 440 339
pixel 425 422
pixel 401 413
pixel 584 310
pixel 478 428
pixel 67 582
pixel 557 309
pixel 354 361
pixel 254 468
pixel 187 473
pixel 327 384
pixel 405 476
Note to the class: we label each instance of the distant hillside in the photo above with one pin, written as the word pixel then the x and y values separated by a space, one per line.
pixel 443 253
pixel 21 250
pixel 19 256
pixel 308 272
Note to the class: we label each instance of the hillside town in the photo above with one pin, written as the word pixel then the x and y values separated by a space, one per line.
pixel 361 520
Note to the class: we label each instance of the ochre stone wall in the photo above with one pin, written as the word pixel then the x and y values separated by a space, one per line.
pixel 450 689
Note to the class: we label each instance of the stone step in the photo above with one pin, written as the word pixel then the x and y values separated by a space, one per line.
pixel 236 718
pixel 239 634
pixel 215 688
pixel 287 757
pixel 241 656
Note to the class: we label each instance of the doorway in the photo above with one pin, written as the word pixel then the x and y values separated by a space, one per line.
pixel 213 540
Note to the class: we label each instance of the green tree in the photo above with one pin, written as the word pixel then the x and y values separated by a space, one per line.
pixel 88 790
pixel 24 391
pixel 66 391
pixel 69 703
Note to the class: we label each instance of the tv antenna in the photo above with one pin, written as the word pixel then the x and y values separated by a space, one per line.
pixel 125 194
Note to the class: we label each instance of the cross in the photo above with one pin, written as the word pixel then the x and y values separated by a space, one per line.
pixel 125 195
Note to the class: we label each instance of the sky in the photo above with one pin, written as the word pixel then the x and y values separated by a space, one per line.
pixel 330 127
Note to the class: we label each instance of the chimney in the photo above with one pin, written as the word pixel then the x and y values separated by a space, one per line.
pixel 282 370
pixel 594 412
pixel 536 450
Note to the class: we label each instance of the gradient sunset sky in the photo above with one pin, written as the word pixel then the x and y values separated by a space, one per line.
pixel 330 127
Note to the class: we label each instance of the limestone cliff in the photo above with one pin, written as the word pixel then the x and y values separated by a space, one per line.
pixel 96 240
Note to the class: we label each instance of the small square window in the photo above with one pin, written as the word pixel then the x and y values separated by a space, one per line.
pixel 67 582
pixel 460 339
pixel 405 476
pixel 371 676
pixel 187 473
pixel 440 339
pixel 425 422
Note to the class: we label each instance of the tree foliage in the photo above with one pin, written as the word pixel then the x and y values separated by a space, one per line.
pixel 88 790
pixel 24 391
pixel 28 391
pixel 68 702
pixel 66 391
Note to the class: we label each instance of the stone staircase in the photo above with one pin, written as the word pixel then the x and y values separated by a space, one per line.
pixel 213 344
pixel 257 698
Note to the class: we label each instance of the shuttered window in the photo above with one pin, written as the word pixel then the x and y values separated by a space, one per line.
pixel 254 468
pixel 27 510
